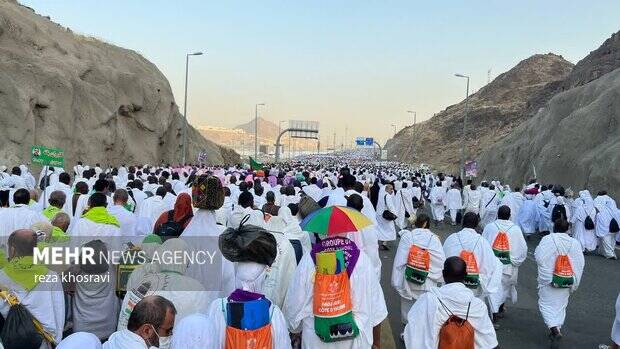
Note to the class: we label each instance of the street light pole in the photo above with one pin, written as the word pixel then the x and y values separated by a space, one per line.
pixel 413 133
pixel 256 130
pixel 464 125
pixel 185 105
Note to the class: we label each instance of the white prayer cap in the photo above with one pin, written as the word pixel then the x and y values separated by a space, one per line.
pixel 2 168
pixel 80 340
pixel 192 332
pixel 250 276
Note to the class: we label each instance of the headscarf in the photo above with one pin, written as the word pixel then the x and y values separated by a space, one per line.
pixel 182 210
pixel 250 276
pixel 192 332
pixel 80 340
pixel 586 198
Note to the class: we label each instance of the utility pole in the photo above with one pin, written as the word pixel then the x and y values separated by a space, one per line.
pixel 256 130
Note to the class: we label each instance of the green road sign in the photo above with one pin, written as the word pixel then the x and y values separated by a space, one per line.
pixel 48 156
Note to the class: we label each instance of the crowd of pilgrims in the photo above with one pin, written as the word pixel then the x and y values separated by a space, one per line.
pixel 279 286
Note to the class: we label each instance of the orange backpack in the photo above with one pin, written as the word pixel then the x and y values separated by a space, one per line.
pixel 501 246
pixel 418 263
pixel 472 279
pixel 456 333
pixel 563 274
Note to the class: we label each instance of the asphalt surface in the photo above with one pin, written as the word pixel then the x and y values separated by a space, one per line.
pixel 589 316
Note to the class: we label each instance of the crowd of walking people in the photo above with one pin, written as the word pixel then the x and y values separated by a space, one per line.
pixel 277 281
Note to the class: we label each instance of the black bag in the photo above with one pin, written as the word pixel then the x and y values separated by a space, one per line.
pixel 387 214
pixel 613 226
pixel 248 243
pixel 45 181
pixel 459 217
pixel 559 211
pixel 171 229
pixel 588 223
pixel 18 331
pixel 407 215
pixel 299 252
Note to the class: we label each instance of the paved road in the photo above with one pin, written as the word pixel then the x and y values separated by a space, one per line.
pixel 590 312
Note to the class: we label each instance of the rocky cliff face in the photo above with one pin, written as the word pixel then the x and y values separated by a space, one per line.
pixel 99 102
pixel 574 139
pixel 493 112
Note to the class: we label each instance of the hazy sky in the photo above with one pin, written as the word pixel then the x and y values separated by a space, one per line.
pixel 360 64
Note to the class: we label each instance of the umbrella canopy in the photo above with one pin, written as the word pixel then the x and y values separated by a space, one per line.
pixel 334 220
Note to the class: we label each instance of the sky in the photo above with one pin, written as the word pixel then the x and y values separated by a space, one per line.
pixel 354 65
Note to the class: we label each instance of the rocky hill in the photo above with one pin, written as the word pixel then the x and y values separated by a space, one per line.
pixel 575 138
pixel 493 112
pixel 99 102
pixel 266 128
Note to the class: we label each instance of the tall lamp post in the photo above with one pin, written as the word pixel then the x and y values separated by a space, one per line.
pixel 464 125
pixel 413 133
pixel 394 126
pixel 256 130
pixel 185 104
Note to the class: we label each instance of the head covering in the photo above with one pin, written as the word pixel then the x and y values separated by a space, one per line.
pixel 192 332
pixel 81 340
pixel 207 193
pixel 586 198
pixel 150 244
pixel 182 212
pixel 250 276
pixel 248 243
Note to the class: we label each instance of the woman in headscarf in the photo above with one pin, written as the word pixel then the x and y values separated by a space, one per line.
pixel 181 214
pixel 607 213
pixel 583 221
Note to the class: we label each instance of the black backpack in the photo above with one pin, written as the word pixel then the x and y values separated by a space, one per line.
pixel 613 226
pixel 588 223
pixel 171 229
pixel 559 211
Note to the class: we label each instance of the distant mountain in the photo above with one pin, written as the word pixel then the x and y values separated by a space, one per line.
pixel 266 128
pixel 574 139
pixel 493 112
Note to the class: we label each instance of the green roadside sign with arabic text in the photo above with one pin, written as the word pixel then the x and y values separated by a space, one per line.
pixel 48 156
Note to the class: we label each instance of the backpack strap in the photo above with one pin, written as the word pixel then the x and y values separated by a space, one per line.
pixel 467 315
pixel 446 308
pixel 185 219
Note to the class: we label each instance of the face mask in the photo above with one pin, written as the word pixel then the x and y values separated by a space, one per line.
pixel 164 342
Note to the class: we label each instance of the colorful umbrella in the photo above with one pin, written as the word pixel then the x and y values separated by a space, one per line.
pixel 334 220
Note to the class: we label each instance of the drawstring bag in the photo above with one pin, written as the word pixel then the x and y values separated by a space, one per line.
pixel 248 324
pixel 456 333
pixel 501 246
pixel 418 264
pixel 563 275
pixel 472 279
pixel 332 306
